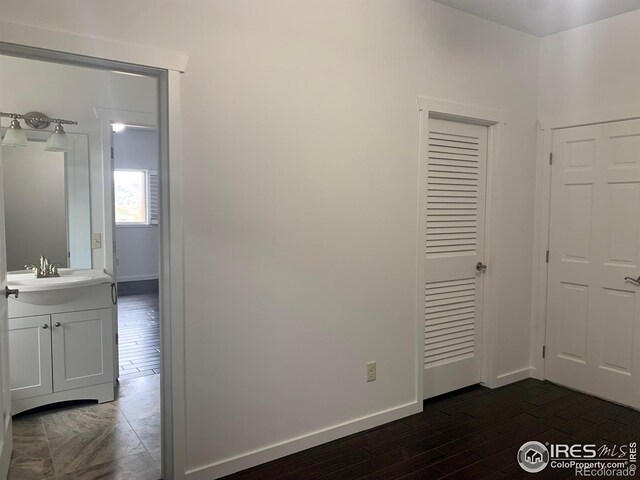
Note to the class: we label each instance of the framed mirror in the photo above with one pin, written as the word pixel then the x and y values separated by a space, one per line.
pixel 47 202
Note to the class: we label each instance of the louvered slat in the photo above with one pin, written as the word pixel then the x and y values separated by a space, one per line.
pixel 154 198
pixel 452 194
pixel 456 136
pixel 453 142
pixel 449 321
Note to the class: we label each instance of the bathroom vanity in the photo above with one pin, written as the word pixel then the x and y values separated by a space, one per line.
pixel 61 338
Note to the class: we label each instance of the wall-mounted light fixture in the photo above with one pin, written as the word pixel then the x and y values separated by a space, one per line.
pixel 15 136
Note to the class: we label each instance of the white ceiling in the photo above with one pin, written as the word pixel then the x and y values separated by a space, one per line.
pixel 543 17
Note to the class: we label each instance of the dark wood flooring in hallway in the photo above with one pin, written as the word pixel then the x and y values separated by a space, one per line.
pixel 473 433
pixel 138 335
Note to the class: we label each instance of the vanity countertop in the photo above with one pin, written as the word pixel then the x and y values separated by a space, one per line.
pixel 69 278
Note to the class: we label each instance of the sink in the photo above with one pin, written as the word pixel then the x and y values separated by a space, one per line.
pixel 54 290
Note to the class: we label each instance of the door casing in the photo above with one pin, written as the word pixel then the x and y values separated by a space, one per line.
pixel 497 122
pixel 542 215
pixel 58 47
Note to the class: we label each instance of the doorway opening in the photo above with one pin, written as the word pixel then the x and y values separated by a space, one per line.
pixel 137 241
pixel 119 421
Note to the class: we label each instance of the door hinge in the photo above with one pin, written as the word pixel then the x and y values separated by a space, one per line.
pixel 117 339
pixel 550 158
pixel 547 257
pixel 544 351
pixel 111 153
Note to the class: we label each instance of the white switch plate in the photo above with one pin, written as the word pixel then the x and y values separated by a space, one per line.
pixel 96 240
pixel 371 371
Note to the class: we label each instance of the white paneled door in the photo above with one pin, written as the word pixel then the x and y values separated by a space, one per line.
pixel 6 441
pixel 455 162
pixel 593 310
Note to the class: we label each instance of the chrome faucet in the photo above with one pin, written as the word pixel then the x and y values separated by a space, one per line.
pixel 46 268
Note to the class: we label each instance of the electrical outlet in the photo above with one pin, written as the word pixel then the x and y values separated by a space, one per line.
pixel 371 371
pixel 96 240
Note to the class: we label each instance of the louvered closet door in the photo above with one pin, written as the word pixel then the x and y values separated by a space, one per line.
pixel 455 204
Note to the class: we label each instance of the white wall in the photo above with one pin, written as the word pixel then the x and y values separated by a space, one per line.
pixel 137 245
pixel 593 68
pixel 35 205
pixel 71 92
pixel 300 143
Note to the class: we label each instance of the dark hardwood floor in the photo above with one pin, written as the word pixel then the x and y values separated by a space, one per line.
pixel 473 433
pixel 138 335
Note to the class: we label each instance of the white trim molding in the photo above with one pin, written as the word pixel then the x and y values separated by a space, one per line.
pixel 627 112
pixel 92 47
pixel 540 247
pixel 129 117
pixel 511 377
pixel 172 281
pixel 496 121
pixel 107 116
pixel 294 445
pixel 461 111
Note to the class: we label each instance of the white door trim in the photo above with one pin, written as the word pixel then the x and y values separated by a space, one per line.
pixel 92 47
pixel 541 229
pixel 166 66
pixel 107 116
pixel 496 121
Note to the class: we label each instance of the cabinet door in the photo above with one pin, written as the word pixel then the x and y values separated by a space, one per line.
pixel 30 356
pixel 82 349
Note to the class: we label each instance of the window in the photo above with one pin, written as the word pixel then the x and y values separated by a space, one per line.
pixel 131 197
pixel 136 197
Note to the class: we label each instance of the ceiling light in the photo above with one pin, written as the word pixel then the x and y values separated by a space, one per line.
pixel 58 141
pixel 118 127
pixel 15 136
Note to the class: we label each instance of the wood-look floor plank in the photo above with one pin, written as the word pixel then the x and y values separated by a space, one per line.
pixel 138 336
pixel 474 433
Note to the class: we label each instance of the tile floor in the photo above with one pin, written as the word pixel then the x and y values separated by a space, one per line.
pixel 119 440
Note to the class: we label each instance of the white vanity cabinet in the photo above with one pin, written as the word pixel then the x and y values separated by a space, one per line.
pixel 62 351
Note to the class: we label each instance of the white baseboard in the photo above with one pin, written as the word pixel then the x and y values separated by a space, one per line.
pixel 282 449
pixel 535 373
pixel 137 278
pixel 511 377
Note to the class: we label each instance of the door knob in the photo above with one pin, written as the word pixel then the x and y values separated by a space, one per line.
pixel 634 280
pixel 58 324
pixel 11 291
pixel 45 326
pixel 481 267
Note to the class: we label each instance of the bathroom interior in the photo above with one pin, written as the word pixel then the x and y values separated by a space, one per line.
pixel 81 218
